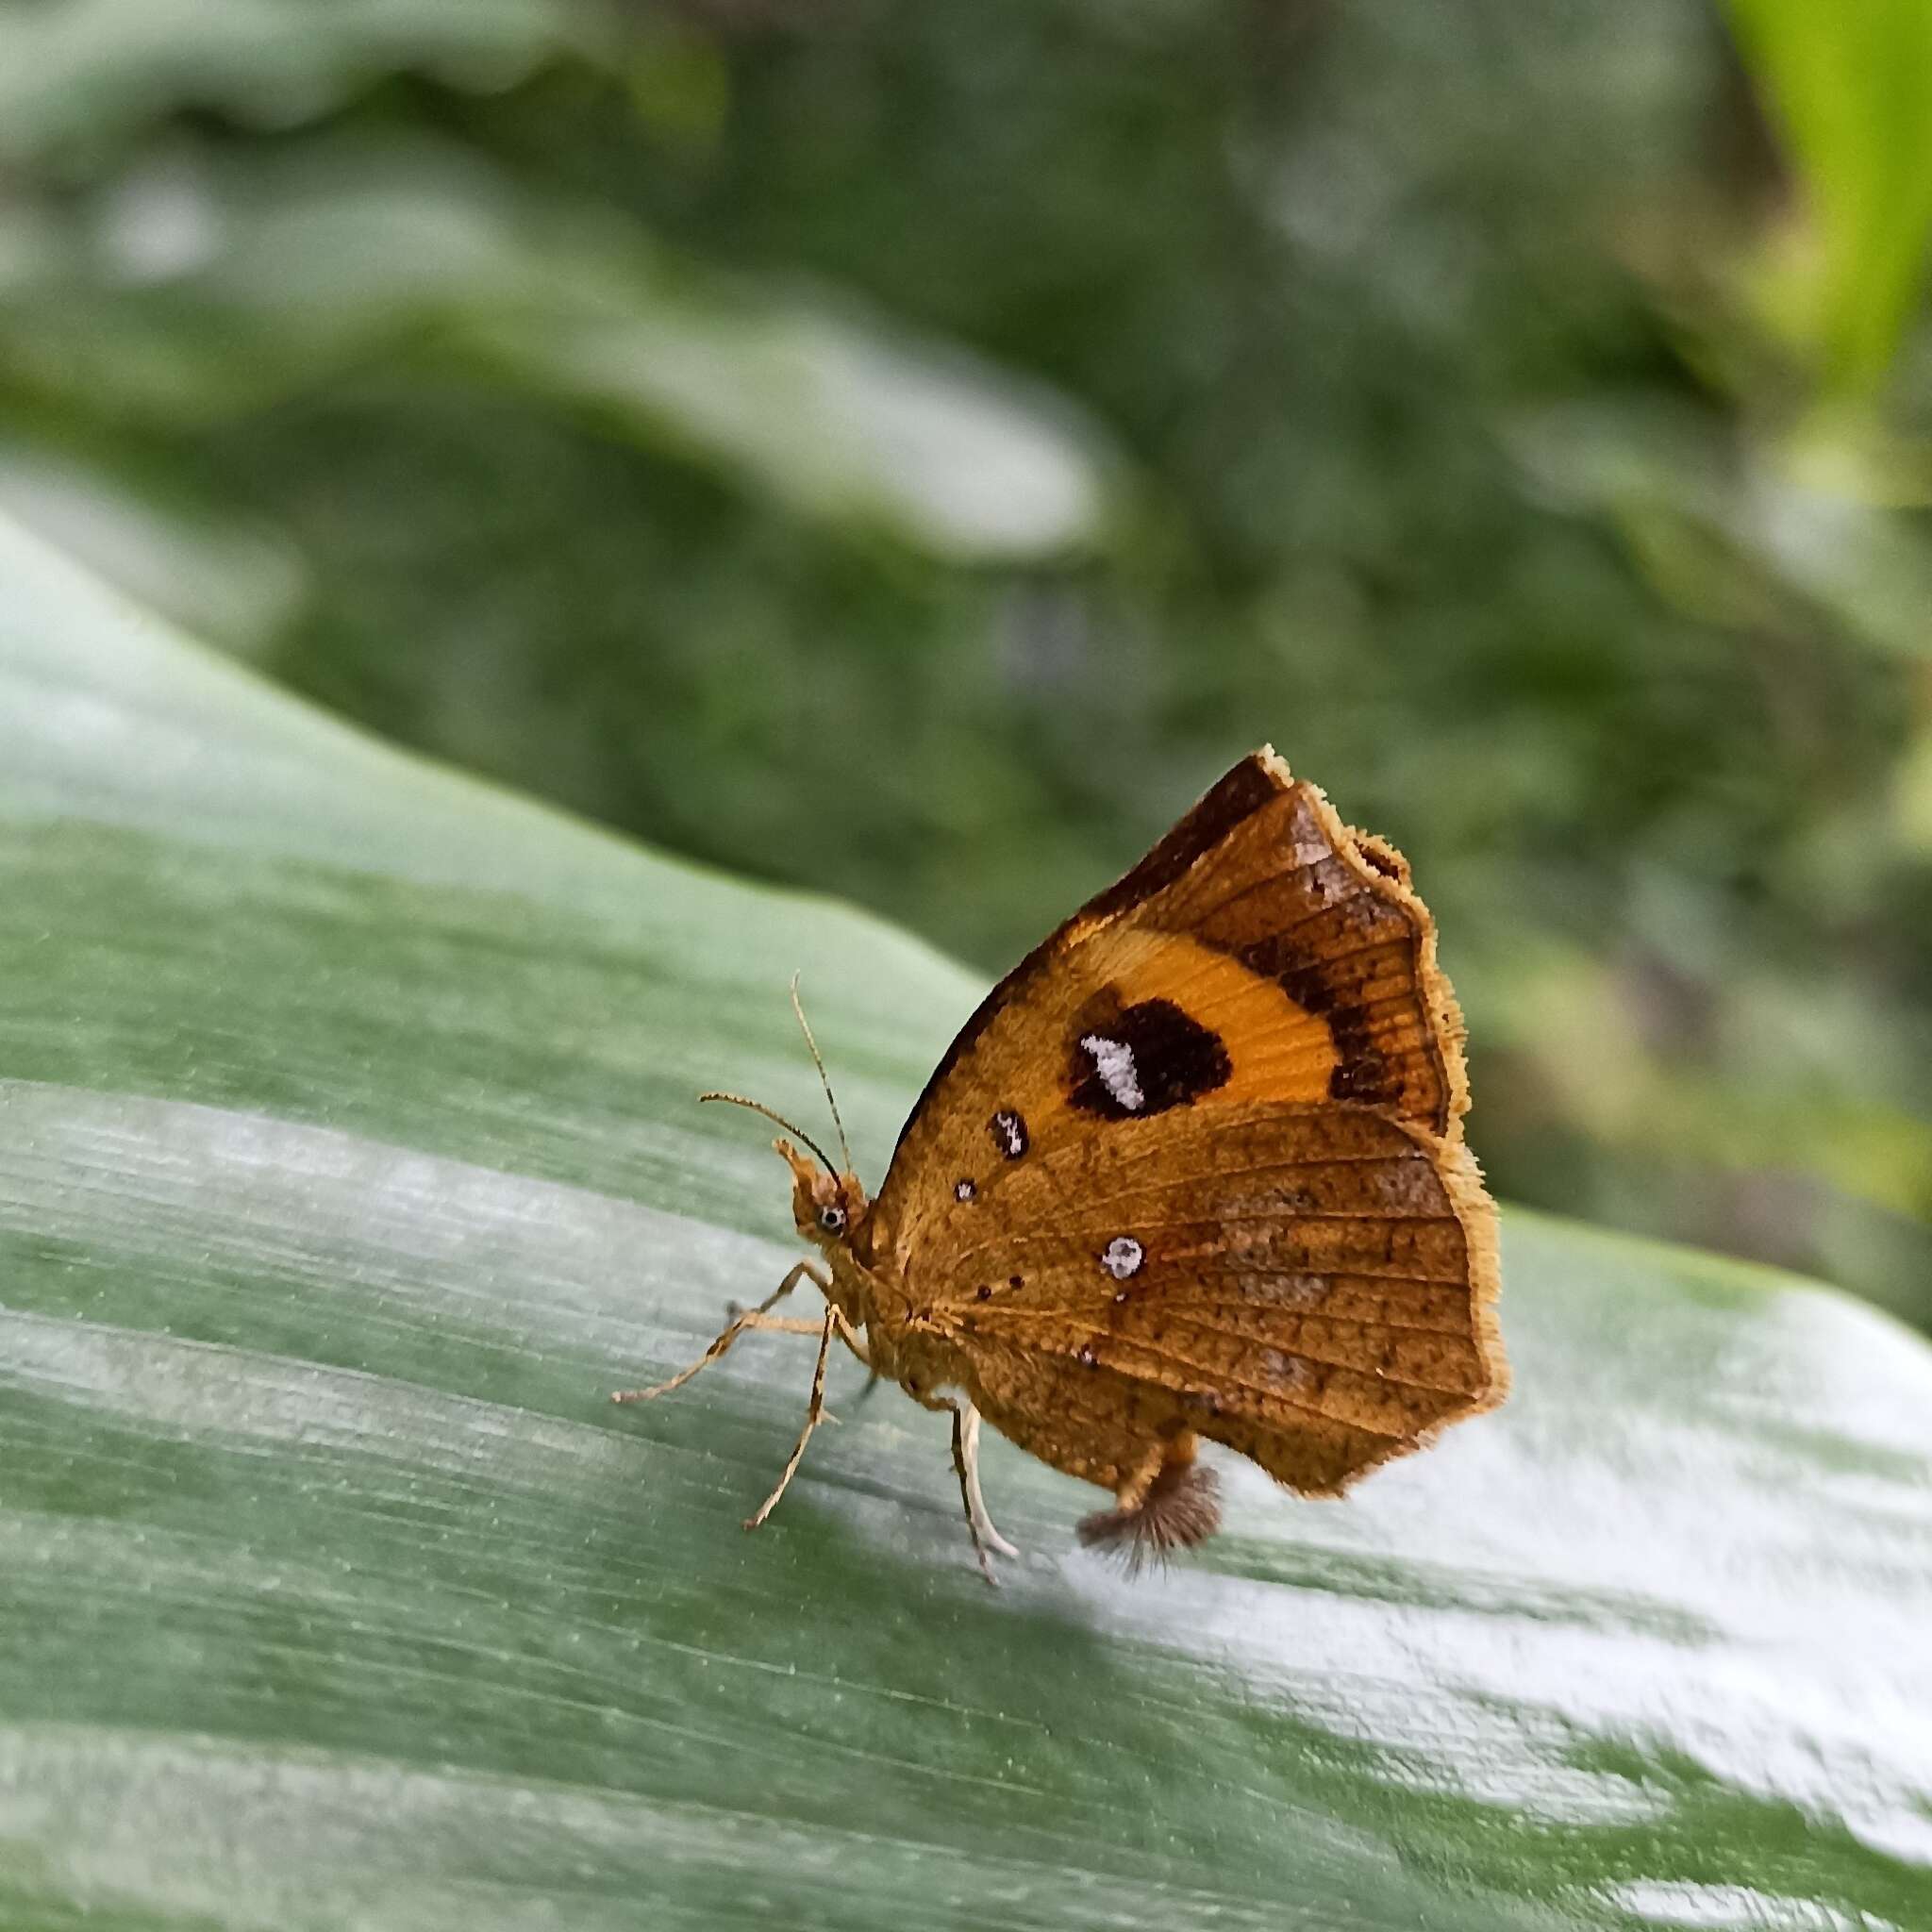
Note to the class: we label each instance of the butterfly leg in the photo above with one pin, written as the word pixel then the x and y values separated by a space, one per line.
pixel 759 1317
pixel 814 1415
pixel 966 1466
pixel 855 1342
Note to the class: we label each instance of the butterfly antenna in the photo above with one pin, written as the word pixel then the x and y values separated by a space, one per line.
pixel 758 1107
pixel 824 1078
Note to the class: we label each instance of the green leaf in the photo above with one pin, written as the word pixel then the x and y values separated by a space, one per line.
pixel 230 581
pixel 1743 538
pixel 202 292
pixel 74 72
pixel 1850 86
pixel 347 1160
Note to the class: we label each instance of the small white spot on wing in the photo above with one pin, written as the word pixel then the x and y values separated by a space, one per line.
pixel 1113 1061
pixel 1122 1256
pixel 963 1190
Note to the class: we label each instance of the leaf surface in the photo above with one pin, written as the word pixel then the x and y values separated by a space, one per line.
pixel 347 1160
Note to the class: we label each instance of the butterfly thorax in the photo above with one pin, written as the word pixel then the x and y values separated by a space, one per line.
pixel 904 1344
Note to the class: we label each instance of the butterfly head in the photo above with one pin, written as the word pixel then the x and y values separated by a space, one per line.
pixel 827 1206
pixel 827 1202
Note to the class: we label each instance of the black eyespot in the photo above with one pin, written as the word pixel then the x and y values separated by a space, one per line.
pixel 1135 1061
pixel 832 1219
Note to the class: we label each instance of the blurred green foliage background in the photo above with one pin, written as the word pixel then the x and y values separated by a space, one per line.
pixel 911 450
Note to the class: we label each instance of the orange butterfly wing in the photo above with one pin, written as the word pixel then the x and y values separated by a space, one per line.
pixel 1197 1161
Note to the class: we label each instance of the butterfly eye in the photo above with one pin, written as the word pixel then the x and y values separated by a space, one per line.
pixel 832 1219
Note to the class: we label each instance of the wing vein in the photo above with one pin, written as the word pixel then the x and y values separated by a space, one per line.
pixel 1108 1229
pixel 1305 1355
pixel 1275 878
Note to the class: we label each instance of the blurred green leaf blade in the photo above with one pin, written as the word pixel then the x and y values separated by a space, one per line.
pixel 242 288
pixel 1851 89
pixel 74 74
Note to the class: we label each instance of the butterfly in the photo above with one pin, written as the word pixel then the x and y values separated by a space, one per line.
pixel 1193 1169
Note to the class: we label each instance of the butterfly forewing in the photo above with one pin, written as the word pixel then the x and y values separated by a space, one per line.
pixel 1197 1161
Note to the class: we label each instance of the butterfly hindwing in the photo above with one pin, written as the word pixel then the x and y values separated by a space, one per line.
pixel 1294 1283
